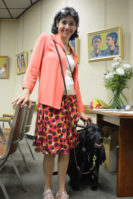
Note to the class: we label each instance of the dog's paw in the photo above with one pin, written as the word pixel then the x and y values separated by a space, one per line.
pixel 94 187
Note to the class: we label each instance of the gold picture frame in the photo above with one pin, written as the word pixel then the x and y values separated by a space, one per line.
pixel 4 67
pixel 105 44
pixel 76 46
pixel 22 62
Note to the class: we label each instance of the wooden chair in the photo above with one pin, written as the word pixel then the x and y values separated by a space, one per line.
pixel 28 126
pixel 2 136
pixel 25 129
pixel 9 147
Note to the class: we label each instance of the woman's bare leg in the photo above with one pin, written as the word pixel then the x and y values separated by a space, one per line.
pixel 63 161
pixel 48 167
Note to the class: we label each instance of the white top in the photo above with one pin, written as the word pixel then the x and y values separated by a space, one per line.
pixel 68 76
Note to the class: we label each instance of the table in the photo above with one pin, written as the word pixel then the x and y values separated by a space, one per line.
pixel 123 119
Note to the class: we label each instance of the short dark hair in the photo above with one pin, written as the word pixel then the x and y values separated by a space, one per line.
pixel 96 37
pixel 67 11
pixel 114 36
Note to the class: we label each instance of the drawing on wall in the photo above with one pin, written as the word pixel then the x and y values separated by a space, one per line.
pixel 105 44
pixel 22 62
pixel 4 60
pixel 75 45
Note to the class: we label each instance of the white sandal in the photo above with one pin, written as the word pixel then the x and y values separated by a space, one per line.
pixel 62 195
pixel 48 194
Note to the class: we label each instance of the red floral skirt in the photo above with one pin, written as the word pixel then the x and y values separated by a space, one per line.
pixel 55 129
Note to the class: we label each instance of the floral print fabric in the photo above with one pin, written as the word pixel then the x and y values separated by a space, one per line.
pixel 55 130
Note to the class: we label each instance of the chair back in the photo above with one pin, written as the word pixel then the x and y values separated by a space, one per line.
pixel 14 135
pixel 24 123
pixel 30 116
pixel 2 137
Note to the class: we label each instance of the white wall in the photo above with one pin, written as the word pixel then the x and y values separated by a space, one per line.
pixel 8 48
pixel 130 35
pixel 94 15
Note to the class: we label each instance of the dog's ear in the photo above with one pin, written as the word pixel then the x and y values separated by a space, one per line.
pixel 91 128
pixel 90 131
pixel 82 136
pixel 102 154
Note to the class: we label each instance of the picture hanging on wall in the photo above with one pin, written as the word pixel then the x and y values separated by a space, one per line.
pixel 105 44
pixel 4 70
pixel 75 44
pixel 22 62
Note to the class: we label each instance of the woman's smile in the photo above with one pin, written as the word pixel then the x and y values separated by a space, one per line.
pixel 66 27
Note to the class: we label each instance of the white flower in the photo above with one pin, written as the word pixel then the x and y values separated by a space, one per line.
pixel 126 66
pixel 114 65
pixel 117 58
pixel 109 75
pixel 119 71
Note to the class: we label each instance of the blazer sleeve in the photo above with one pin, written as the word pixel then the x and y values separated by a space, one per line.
pixel 79 99
pixel 33 70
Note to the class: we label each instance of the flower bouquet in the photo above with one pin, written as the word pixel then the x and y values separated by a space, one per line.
pixel 98 104
pixel 116 80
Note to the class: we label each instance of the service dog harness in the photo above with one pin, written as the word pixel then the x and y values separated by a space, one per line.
pixel 94 159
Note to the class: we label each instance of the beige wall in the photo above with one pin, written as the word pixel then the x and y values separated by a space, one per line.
pixel 8 48
pixel 130 35
pixel 19 35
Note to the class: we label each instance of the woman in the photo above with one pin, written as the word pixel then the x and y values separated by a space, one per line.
pixel 59 103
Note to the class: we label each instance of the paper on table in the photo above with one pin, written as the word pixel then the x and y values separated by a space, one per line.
pixel 115 110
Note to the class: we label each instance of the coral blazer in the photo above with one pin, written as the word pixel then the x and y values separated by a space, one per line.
pixel 45 64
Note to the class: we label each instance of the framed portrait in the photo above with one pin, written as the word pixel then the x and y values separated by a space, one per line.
pixel 22 62
pixel 4 70
pixel 75 44
pixel 105 44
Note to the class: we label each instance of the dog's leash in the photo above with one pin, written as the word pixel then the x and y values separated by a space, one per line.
pixel 94 157
pixel 78 168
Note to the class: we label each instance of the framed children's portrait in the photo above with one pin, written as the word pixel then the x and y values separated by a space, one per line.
pixel 4 71
pixel 75 44
pixel 105 44
pixel 22 62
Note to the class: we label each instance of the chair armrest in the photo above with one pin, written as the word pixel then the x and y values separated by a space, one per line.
pixel 4 119
pixel 8 115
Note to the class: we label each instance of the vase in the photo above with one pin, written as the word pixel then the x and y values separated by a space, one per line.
pixel 117 101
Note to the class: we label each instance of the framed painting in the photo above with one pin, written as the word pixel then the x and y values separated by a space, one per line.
pixel 75 44
pixel 4 70
pixel 105 44
pixel 22 62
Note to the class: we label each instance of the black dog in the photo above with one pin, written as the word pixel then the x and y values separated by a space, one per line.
pixel 86 158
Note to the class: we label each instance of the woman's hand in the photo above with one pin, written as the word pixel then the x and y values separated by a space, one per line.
pixel 23 99
pixel 85 117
